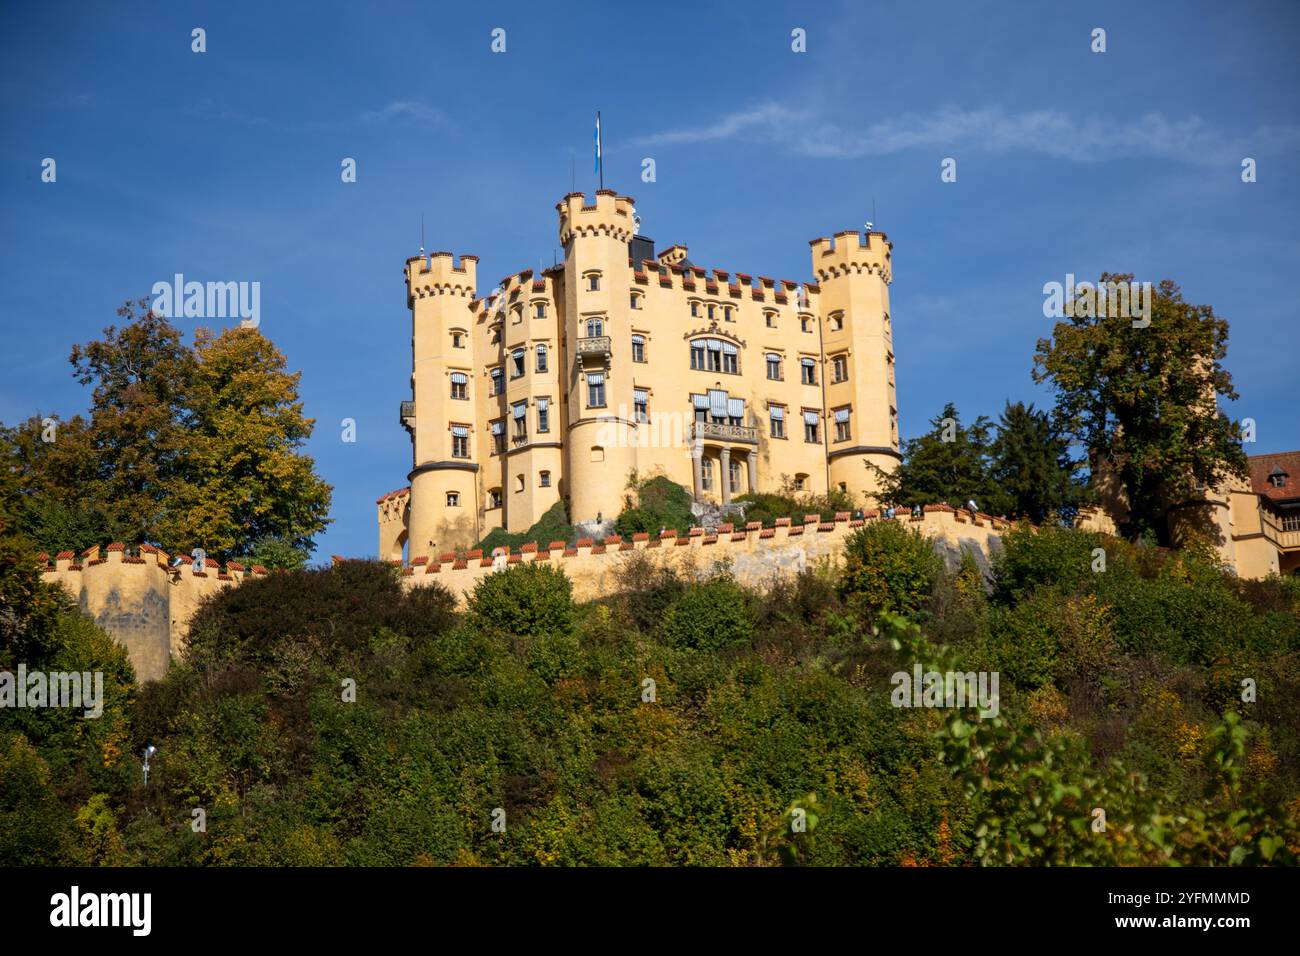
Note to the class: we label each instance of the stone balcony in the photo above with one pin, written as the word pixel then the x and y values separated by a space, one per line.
pixel 594 346
pixel 714 431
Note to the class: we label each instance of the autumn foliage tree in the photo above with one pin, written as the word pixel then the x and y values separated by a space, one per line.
pixel 184 446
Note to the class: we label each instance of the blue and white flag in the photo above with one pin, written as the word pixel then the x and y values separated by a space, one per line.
pixel 596 168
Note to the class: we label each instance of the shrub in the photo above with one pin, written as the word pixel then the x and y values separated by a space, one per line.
pixel 526 599
pixel 768 507
pixel 660 504
pixel 889 567
pixel 710 615
pixel 1051 556
pixel 551 526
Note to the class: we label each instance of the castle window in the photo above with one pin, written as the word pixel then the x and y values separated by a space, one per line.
pixel 773 367
pixel 519 412
pixel 805 323
pixel 776 421
pixel 517 315
pixel 595 328
pixel 840 368
pixel 710 313
pixel 695 308
pixel 800 482
pixel 808 371
pixel 810 423
pixel 541 357
pixel 706 474
pixel 595 389
pixel 457 340
pixel 540 312
pixel 494 499
pixel 453 499
pixel 544 479
pixel 837 321
pixel 597 453
pixel 635 301
pixel 1277 477
pixel 735 411
pixel 733 476
pixel 517 363
pixel 543 414
pixel 701 405
pixel 498 437
pixel 593 282
pixel 769 318
pixel 459 385
pixel 730 358
pixel 638 348
pixel 459 441
pixel 842 424
pixel 497 380
pixel 718 406
pixel 727 314
pixel 641 404
pixel 519 483
pixel 706 355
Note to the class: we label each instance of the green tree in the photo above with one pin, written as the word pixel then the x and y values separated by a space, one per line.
pixel 948 463
pixel 889 567
pixel 1031 466
pixel 526 599
pixel 1143 398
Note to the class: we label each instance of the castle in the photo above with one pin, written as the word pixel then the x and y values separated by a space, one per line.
pixel 560 385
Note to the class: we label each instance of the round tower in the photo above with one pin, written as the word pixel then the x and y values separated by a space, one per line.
pixel 601 420
pixel 444 500
pixel 853 271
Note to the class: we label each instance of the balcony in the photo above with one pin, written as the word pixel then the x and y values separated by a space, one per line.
pixel 1281 532
pixel 715 431
pixel 406 413
pixel 596 346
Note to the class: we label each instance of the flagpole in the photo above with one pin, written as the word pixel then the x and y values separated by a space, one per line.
pixel 600 159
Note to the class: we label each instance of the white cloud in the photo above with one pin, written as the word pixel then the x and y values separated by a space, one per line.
pixel 990 130
pixel 406 110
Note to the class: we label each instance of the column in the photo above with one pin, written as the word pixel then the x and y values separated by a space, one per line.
pixel 724 458
pixel 752 461
pixel 697 467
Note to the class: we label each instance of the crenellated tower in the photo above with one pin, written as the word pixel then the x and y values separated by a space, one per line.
pixel 444 499
pixel 602 438
pixel 854 271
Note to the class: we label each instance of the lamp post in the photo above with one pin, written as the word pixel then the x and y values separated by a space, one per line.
pixel 149 751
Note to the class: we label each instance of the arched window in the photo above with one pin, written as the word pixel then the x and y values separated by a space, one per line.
pixel 517 363
pixel 595 328
pixel 541 357
pixel 459 385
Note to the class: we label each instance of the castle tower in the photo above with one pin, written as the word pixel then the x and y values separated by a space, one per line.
pixel 445 503
pixel 853 272
pixel 602 436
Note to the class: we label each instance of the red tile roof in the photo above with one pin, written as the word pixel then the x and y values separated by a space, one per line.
pixel 1261 466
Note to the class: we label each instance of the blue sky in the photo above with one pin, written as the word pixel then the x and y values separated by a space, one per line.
pixel 225 166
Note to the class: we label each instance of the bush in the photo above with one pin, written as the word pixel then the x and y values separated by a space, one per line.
pixel 768 507
pixel 660 504
pixel 527 599
pixel 711 615
pixel 889 567
pixel 551 526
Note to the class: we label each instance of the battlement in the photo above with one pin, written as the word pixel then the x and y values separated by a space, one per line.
pixel 140 599
pixel 438 274
pixel 610 215
pixel 852 252
pixel 756 555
